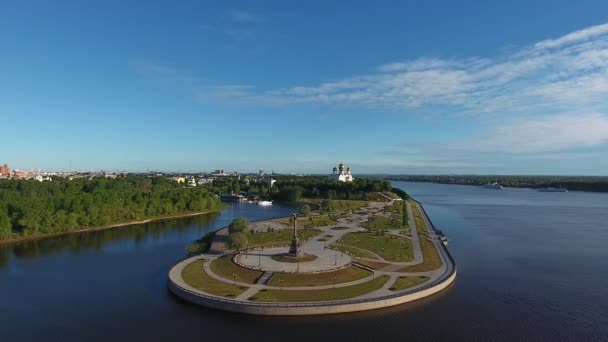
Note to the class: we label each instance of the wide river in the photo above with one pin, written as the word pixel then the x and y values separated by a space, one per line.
pixel 531 266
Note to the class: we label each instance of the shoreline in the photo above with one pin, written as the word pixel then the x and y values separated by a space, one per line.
pixel 595 191
pixel 109 226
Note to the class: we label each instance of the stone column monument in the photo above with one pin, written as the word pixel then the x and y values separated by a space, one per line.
pixel 294 249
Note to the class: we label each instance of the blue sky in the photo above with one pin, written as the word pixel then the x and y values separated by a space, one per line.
pixel 393 87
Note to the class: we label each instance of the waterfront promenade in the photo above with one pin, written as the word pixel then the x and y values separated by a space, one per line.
pixel 328 260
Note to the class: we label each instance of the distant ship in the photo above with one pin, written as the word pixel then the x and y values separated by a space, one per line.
pixel 492 186
pixel 553 190
pixel 265 203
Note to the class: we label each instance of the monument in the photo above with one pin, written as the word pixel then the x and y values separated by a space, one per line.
pixel 295 250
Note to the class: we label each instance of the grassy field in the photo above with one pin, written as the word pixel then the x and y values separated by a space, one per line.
pixel 224 267
pixel 316 221
pixel 319 295
pixel 195 276
pixel 355 251
pixel 345 275
pixel 389 247
pixel 280 236
pixel 376 265
pixel 346 205
pixel 431 261
pixel 406 282
pixel 380 222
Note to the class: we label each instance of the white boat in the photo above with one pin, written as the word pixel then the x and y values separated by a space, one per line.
pixel 265 203
pixel 492 186
pixel 553 190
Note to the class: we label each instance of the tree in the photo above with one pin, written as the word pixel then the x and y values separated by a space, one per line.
pixel 237 241
pixel 238 225
pixel 305 210
pixel 5 225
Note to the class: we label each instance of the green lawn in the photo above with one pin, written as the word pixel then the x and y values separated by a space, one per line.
pixel 406 282
pixel 431 258
pixel 355 251
pixel 194 275
pixel 348 205
pixel 380 222
pixel 390 247
pixel 345 275
pixel 224 267
pixel 319 295
pixel 280 236
pixel 316 221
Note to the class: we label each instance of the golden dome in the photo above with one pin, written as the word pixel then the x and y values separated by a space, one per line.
pixel 341 166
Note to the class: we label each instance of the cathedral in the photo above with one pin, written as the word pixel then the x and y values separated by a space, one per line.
pixel 343 176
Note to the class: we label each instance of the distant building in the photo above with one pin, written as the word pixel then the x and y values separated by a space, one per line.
pixel 5 170
pixel 269 181
pixel 191 181
pixel 343 176
pixel 203 181
pixel 179 180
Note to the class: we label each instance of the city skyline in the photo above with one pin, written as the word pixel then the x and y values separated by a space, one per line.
pixel 393 89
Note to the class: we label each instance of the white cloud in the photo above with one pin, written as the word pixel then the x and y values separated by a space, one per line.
pixel 573 37
pixel 563 73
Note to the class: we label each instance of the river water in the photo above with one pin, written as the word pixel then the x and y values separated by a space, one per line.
pixel 531 266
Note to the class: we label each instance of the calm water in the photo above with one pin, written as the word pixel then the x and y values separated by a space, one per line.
pixel 531 266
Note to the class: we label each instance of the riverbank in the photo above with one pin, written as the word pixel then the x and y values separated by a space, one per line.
pixel 572 183
pixel 109 226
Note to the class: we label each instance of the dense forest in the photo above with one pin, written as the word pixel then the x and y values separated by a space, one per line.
pixel 28 207
pixel 574 183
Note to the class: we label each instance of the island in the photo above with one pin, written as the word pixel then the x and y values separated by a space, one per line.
pixel 345 256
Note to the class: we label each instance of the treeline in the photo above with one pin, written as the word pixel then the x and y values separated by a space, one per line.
pixel 293 188
pixel 28 207
pixel 574 183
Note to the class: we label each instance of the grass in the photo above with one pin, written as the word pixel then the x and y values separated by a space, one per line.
pixel 359 253
pixel 319 295
pixel 375 265
pixel 279 236
pixel 344 275
pixel 380 222
pixel 224 267
pixel 346 205
pixel 316 221
pixel 431 261
pixel 194 275
pixel 389 247
pixel 403 283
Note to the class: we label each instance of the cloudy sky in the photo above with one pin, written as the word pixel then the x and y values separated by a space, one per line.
pixel 397 87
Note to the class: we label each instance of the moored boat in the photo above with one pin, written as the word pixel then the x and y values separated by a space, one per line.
pixel 492 186
pixel 265 203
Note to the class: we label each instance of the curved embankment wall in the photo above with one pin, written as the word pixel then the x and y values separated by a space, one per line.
pixel 184 291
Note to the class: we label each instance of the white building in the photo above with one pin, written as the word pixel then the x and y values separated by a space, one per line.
pixel 268 181
pixel 343 176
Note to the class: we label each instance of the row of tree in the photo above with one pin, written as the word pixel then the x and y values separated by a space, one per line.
pixel 28 207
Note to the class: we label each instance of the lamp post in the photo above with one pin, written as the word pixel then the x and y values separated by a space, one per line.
pixel 281 280
pixel 234 275
pixel 334 278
